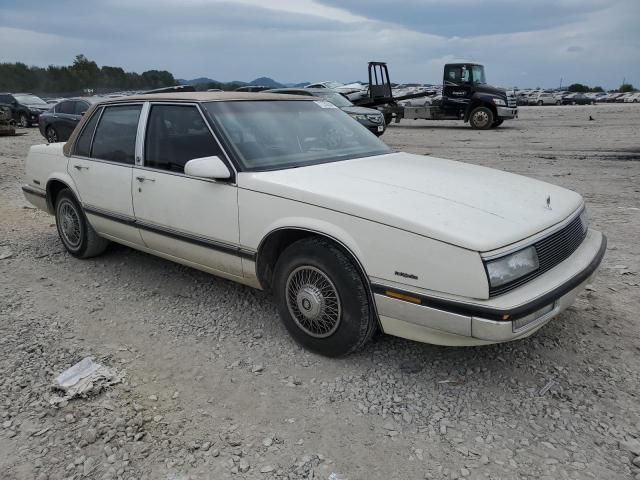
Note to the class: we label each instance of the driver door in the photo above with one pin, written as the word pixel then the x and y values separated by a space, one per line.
pixel 456 89
pixel 187 218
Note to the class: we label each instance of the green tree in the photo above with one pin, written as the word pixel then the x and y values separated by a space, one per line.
pixel 578 87
pixel 626 87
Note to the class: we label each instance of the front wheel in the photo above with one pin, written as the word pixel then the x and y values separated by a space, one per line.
pixel 24 121
pixel 322 299
pixel 497 123
pixel 77 235
pixel 51 134
pixel 540 103
pixel 481 118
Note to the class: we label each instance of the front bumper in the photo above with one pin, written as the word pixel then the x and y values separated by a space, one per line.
pixel 507 112
pixel 511 316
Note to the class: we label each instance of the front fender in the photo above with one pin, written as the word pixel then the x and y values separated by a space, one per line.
pixel 479 100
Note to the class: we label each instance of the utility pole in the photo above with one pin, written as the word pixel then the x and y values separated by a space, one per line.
pixel 560 83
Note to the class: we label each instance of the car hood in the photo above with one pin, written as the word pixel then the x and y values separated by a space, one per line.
pixel 37 106
pixel 360 110
pixel 473 207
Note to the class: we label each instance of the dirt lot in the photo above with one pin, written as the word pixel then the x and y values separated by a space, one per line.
pixel 216 389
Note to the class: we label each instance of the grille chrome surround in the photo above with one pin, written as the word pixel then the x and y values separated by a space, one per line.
pixel 551 250
pixel 511 100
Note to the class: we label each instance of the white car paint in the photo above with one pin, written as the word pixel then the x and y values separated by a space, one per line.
pixel 436 219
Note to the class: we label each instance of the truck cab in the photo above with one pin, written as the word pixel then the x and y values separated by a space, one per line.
pixel 466 95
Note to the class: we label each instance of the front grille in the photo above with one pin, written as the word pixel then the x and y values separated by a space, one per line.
pixel 511 101
pixel 551 250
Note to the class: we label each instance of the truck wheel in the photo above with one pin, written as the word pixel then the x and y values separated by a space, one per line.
pixel 322 299
pixel 497 123
pixel 481 118
pixel 77 235
pixel 388 118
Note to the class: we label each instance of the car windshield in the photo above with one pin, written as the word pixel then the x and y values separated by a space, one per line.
pixel 273 135
pixel 335 98
pixel 30 100
pixel 478 74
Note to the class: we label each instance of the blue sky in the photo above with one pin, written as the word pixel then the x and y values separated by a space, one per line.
pixel 522 43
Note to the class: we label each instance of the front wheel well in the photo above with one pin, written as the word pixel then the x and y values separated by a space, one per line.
pixel 477 104
pixel 277 242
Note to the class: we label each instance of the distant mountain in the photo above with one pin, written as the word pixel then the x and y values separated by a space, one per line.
pixel 263 81
pixel 267 82
pixel 195 81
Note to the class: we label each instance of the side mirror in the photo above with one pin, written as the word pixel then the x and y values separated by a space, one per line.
pixel 82 113
pixel 207 167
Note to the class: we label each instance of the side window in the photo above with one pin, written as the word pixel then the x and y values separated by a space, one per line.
pixel 175 135
pixel 83 145
pixel 115 138
pixel 80 107
pixel 65 107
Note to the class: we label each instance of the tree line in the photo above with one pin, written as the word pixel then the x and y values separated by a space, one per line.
pixel 82 76
pixel 579 87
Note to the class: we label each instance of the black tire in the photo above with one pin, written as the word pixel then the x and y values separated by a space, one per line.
pixel 558 102
pixel 24 121
pixel 481 118
pixel 497 123
pixel 51 134
pixel 540 103
pixel 388 118
pixel 76 234
pixel 315 271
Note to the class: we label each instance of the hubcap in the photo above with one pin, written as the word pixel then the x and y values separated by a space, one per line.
pixel 313 301
pixel 52 137
pixel 69 224
pixel 481 118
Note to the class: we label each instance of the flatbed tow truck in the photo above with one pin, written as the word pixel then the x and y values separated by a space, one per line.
pixel 465 96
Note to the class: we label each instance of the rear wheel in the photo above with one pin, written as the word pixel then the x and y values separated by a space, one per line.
pixel 481 118
pixel 77 235
pixel 24 120
pixel 322 299
pixel 540 103
pixel 51 134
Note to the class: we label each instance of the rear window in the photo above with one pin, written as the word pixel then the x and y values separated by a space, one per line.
pixel 115 137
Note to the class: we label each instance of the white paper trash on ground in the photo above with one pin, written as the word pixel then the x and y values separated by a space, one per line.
pixel 83 378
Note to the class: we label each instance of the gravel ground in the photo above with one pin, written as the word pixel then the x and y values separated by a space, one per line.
pixel 214 387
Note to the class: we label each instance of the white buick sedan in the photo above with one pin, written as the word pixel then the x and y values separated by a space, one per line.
pixel 291 195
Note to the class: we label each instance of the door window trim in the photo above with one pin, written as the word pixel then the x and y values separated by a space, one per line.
pixel 142 136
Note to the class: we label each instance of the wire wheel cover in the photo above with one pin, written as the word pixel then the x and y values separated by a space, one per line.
pixel 313 301
pixel 70 224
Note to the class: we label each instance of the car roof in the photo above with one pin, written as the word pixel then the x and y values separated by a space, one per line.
pixel 203 97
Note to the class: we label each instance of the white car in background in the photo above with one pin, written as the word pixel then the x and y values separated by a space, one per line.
pixel 544 98
pixel 291 195
pixel 632 98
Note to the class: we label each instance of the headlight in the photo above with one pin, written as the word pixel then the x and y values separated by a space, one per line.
pixel 358 116
pixel 584 221
pixel 375 118
pixel 499 101
pixel 512 267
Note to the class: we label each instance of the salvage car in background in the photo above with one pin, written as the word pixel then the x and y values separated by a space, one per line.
pixel 370 118
pixel 57 124
pixel 544 98
pixel 578 99
pixel 7 124
pixel 25 107
pixel 346 234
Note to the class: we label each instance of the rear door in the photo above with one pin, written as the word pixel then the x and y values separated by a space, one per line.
pixel 101 166
pixel 189 218
pixel 64 118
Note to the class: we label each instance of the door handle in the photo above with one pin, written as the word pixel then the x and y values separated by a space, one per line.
pixel 80 167
pixel 143 179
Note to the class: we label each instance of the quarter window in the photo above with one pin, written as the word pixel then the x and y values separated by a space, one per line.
pixel 83 145
pixel 115 138
pixel 175 135
pixel 80 107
